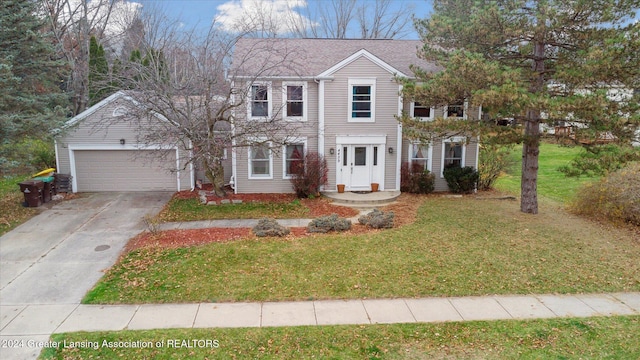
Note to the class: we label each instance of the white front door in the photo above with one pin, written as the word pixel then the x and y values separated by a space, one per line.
pixel 356 166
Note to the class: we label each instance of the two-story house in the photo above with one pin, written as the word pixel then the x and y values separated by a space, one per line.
pixel 342 96
pixel 347 96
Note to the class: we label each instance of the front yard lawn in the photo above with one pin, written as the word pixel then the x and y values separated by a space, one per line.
pixel 552 183
pixel 592 338
pixel 191 209
pixel 457 247
pixel 186 206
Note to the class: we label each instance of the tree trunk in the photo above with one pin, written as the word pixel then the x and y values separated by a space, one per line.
pixel 214 171
pixel 530 152
pixel 531 145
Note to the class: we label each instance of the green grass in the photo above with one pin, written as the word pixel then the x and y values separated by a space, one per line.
pixel 592 338
pixel 503 252
pixel 192 209
pixel 552 184
pixel 12 213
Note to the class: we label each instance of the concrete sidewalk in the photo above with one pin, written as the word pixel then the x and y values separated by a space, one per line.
pixel 36 320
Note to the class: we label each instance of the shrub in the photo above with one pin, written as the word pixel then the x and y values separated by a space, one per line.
pixel 308 175
pixel 269 227
pixel 324 224
pixel 416 180
pixel 493 160
pixel 461 180
pixel 615 197
pixel 377 219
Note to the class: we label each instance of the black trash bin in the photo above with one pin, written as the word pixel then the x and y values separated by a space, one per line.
pixel 62 183
pixel 32 190
pixel 48 187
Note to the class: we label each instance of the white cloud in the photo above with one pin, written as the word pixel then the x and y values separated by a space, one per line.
pixel 263 16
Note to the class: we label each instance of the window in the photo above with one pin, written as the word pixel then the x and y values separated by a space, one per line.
pixel 458 109
pixel 294 97
pixel 260 101
pixel 420 155
pixel 260 162
pixel 360 156
pixel 421 111
pixel 453 152
pixel 293 158
pixel 362 100
pixel 119 111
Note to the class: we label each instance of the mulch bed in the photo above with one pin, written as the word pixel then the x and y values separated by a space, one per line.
pixel 192 237
pixel 317 206
pixel 405 210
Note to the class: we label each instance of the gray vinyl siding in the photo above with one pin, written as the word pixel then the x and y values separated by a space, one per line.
pixel 471 148
pixel 309 130
pixel 102 131
pixel 337 112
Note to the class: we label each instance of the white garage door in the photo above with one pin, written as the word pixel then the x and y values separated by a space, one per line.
pixel 124 170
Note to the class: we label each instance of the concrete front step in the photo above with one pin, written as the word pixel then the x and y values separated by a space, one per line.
pixel 367 200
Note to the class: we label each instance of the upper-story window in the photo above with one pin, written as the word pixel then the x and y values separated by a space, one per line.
pixel 362 95
pixel 458 110
pixel 421 111
pixel 260 100
pixel 294 98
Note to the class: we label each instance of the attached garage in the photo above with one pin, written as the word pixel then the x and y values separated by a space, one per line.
pixel 123 170
pixel 102 151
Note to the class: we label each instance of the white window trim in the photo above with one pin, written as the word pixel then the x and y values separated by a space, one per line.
pixel 260 177
pixel 269 100
pixel 465 109
pixel 455 139
pixel 429 154
pixel 120 111
pixel 360 82
pixel 430 118
pixel 304 85
pixel 302 141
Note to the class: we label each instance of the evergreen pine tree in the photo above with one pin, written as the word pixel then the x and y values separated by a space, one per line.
pixel 31 100
pixel 99 88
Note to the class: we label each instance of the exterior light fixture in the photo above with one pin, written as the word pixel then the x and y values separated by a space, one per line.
pixel 390 150
pixel 122 141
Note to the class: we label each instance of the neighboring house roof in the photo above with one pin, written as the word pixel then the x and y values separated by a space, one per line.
pixel 313 57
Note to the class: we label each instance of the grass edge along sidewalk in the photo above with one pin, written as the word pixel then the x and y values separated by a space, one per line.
pixel 603 337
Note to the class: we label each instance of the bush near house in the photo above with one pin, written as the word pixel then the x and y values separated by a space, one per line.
pixel 415 179
pixel 494 160
pixel 269 227
pixel 377 219
pixel 461 180
pixel 616 197
pixel 325 224
pixel 308 175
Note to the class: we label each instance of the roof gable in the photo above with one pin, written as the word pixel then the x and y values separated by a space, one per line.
pixel 99 105
pixel 360 54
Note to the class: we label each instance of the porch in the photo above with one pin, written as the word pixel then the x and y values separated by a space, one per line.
pixel 363 199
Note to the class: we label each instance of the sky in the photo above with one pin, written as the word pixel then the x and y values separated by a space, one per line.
pixel 202 12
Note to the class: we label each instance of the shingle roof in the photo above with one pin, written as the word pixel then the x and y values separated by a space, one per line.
pixel 310 57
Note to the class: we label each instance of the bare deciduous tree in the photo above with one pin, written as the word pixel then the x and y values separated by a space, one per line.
pixel 73 22
pixel 382 22
pixel 191 98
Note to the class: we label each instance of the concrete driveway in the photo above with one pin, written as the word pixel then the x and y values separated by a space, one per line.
pixel 58 255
